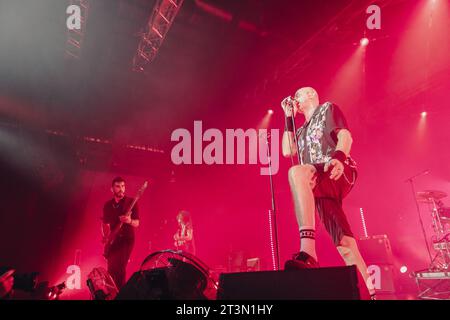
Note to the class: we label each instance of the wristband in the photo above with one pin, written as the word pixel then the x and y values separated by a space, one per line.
pixel 289 125
pixel 339 155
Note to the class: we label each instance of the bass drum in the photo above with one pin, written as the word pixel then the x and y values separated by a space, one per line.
pixel 188 276
pixel 101 285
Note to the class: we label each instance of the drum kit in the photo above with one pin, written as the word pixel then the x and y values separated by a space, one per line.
pixel 440 217
pixel 434 282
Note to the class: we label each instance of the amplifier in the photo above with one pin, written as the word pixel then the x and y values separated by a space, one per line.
pixel 376 250
pixel 382 276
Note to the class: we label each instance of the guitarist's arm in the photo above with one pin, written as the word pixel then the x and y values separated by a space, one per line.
pixel 189 234
pixel 134 223
pixel 133 218
pixel 106 230
pixel 128 220
pixel 183 238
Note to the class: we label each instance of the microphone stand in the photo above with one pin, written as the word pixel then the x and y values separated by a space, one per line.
pixel 273 212
pixel 295 138
pixel 410 180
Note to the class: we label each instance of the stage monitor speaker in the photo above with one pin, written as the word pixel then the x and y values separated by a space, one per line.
pixel 146 285
pixel 338 283
pixel 163 284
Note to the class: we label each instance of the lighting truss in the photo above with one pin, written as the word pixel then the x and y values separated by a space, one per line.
pixel 75 38
pixel 160 21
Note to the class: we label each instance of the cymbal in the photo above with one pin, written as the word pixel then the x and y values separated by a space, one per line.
pixel 427 195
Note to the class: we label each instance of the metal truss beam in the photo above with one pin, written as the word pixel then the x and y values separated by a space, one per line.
pixel 75 38
pixel 160 21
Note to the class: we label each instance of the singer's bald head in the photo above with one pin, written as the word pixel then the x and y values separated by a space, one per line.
pixel 307 93
pixel 306 98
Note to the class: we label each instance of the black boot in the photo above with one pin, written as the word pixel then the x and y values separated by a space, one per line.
pixel 301 260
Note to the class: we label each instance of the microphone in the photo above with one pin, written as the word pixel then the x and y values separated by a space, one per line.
pixel 289 103
pixel 418 175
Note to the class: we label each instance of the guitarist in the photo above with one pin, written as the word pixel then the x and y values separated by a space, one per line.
pixel 184 237
pixel 114 213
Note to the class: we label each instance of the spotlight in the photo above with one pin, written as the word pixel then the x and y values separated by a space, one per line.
pixel 423 114
pixel 403 269
pixel 270 111
pixel 364 42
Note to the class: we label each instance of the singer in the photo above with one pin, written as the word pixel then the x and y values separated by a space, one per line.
pixel 325 175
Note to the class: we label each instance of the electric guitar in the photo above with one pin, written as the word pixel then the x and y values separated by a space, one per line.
pixel 181 237
pixel 113 234
pixel 179 243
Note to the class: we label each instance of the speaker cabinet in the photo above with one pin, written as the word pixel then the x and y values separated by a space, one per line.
pixel 147 285
pixel 377 253
pixel 376 250
pixel 382 276
pixel 164 284
pixel 339 283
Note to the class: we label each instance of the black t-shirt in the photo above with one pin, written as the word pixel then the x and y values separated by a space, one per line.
pixel 317 139
pixel 112 211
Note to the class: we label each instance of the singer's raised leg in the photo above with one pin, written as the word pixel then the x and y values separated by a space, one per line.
pixel 302 182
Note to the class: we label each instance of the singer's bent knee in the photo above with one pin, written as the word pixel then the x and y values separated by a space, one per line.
pixel 301 174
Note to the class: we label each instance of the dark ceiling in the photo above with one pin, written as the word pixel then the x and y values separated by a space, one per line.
pixel 204 67
pixel 224 72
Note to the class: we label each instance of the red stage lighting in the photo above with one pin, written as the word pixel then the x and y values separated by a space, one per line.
pixel 423 114
pixel 364 42
pixel 403 269
pixel 270 111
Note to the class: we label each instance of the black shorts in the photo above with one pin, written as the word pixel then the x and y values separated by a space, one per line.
pixel 328 196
